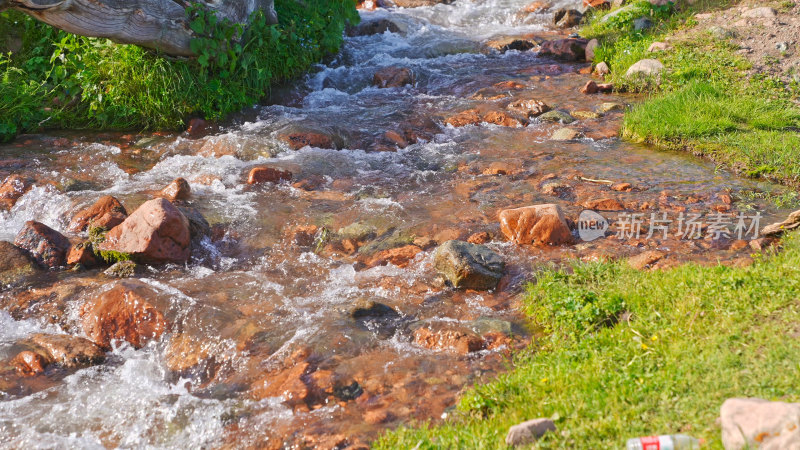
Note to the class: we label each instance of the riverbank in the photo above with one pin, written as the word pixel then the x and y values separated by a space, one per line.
pixel 626 352
pixel 54 80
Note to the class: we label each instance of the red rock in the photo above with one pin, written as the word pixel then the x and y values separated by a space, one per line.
pixel 69 352
pixel 311 183
pixel 198 128
pixel 396 138
pixel 529 108
pixel 500 168
pixel 400 256
pixel 480 238
pixel 725 198
pixel 107 212
pixel 393 77
pixel 450 339
pixel 378 416
pixel 570 49
pixel 263 174
pixel 304 236
pixel 536 7
pixel 605 88
pixel 156 233
pixel 604 204
pixel 81 254
pixel 501 118
pixel 46 245
pixel 589 88
pixel 179 189
pixel 645 259
pixel 464 118
pixel 599 4
pixel 539 224
pixel 123 313
pixel 299 140
pixel 12 189
pixel 622 187
pixel 510 85
pixel 29 363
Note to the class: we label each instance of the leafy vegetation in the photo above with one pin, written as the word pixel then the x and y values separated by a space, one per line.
pixel 60 80
pixel 704 101
pixel 684 340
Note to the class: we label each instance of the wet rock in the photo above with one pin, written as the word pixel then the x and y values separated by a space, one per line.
pixel 15 264
pixel 565 134
pixel 604 204
pixel 378 416
pixel 584 114
pixel 393 77
pixel 396 138
pixel 560 190
pixel 107 212
pixel 263 174
pixel 557 116
pixel 156 233
pixel 482 237
pixel 198 128
pixel 82 254
pixel 28 363
pixel 372 309
pixel 198 225
pixel 371 27
pixel 448 338
pixel 597 4
pixel 69 352
pixel 179 189
pixel 299 140
pixel 537 224
pixel 417 3
pixel 610 106
pixel 12 189
pixel 758 423
pixel 602 69
pixel 398 256
pixel 590 88
pixel 645 68
pixel 464 118
pixel 528 108
pixel 529 432
pixel 570 49
pixel 567 18
pixel 776 229
pixel 468 266
pixel 122 269
pixel 500 118
pixel 622 187
pixel 645 259
pixel 46 245
pixel 190 357
pixel 123 313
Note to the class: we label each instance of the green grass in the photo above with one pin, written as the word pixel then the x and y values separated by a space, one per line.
pixel 628 353
pixel 59 80
pixel 705 102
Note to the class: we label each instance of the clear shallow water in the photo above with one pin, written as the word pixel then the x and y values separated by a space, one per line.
pixel 253 298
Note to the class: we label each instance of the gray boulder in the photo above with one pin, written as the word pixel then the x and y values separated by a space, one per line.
pixel 469 266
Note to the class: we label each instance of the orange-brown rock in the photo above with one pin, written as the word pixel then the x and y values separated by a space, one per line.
pixel 393 77
pixel 622 187
pixel 123 313
pixel 501 118
pixel 537 6
pixel 604 204
pixel 156 233
pixel 28 363
pixel 528 108
pixel 449 339
pixel 395 138
pixel 399 256
pixel 378 416
pixel 590 88
pixel 107 212
pixel 538 224
pixel 12 189
pixel 179 189
pixel 480 238
pixel 263 174
pixel 464 118
pixel 645 259
pixel 70 352
pixel 46 245
pixel 82 254
pixel 509 85
pixel 299 140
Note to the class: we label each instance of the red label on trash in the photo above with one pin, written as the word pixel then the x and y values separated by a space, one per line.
pixel 651 443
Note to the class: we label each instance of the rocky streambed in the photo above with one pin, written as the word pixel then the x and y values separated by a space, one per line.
pixel 343 260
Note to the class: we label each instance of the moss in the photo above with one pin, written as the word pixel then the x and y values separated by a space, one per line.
pixel 97 235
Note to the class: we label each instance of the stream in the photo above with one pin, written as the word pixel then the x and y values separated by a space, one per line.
pixel 289 327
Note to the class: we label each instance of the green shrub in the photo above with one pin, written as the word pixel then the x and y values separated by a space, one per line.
pixel 60 80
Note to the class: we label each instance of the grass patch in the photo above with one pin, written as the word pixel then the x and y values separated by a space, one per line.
pixel 630 353
pixel 59 80
pixel 705 101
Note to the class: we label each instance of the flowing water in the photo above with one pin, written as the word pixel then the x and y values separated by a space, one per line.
pixel 265 295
